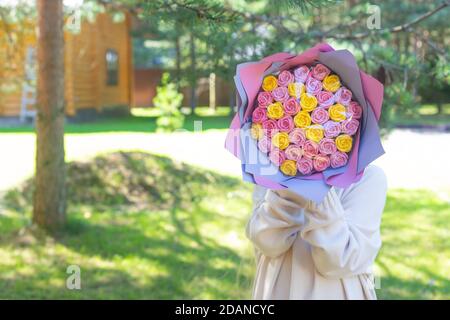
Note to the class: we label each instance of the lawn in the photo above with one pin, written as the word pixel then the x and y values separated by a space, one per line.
pixel 144 120
pixel 146 227
pixel 140 120
pixel 427 115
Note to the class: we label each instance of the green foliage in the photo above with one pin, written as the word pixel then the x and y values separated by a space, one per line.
pixel 168 102
pixel 227 33
pixel 398 103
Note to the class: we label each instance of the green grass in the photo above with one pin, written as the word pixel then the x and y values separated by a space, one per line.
pixel 426 115
pixel 141 120
pixel 144 120
pixel 414 262
pixel 145 227
pixel 135 240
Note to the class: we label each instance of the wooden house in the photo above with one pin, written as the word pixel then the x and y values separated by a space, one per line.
pixel 98 67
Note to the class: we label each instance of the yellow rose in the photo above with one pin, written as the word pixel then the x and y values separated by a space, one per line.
pixel 289 167
pixel 308 103
pixel 269 83
pixel 331 83
pixel 275 111
pixel 344 143
pixel 281 140
pixel 296 89
pixel 337 112
pixel 314 133
pixel 302 119
pixel 256 131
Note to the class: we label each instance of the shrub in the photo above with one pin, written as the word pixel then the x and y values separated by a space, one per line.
pixel 168 102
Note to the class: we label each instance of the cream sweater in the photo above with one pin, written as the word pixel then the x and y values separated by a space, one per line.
pixel 318 251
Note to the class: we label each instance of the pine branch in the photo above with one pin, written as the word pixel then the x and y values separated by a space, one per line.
pixel 218 13
pixel 400 28
pixel 431 44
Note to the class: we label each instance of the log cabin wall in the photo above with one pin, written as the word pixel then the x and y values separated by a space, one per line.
pixel 12 57
pixel 86 75
pixel 147 80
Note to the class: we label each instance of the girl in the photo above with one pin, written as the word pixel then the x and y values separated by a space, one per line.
pixel 318 251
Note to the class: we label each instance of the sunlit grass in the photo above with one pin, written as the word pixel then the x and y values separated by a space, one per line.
pixel 194 248
pixel 415 258
pixel 140 120
pixel 131 245
pixel 427 115
pixel 432 109
pixel 199 111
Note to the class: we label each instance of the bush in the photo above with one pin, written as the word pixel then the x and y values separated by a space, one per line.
pixel 168 102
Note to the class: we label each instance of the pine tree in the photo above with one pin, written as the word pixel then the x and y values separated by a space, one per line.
pixel 50 190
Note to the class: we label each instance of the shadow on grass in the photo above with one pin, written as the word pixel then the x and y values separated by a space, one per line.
pixel 415 248
pixel 184 266
pixel 120 261
pixel 156 252
pixel 184 249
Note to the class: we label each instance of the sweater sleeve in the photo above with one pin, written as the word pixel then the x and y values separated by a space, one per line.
pixel 344 232
pixel 276 220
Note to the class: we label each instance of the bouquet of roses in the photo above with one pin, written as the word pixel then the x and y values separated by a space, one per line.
pixel 306 122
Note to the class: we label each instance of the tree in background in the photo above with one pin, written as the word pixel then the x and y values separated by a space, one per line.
pixel 168 102
pixel 407 52
pixel 49 198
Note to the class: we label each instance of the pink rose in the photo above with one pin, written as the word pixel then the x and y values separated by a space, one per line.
pixel 280 94
pixel 269 127
pixel 350 126
pixel 313 86
pixel 354 110
pixel 284 78
pixel 259 115
pixel 264 144
pixel 321 162
pixel 325 99
pixel 291 106
pixel 319 116
pixel 264 99
pixel 343 96
pixel 305 166
pixel 277 156
pixel 327 146
pixel 285 124
pixel 301 73
pixel 293 152
pixel 297 136
pixel 331 128
pixel 338 159
pixel 319 71
pixel 310 149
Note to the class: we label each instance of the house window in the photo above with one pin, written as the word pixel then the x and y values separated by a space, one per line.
pixel 112 67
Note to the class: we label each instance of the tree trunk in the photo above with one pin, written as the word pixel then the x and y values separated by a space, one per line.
pixel 193 75
pixel 49 198
pixel 178 61
pixel 439 108
pixel 212 91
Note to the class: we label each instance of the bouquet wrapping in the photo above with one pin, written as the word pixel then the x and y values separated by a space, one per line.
pixel 305 122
